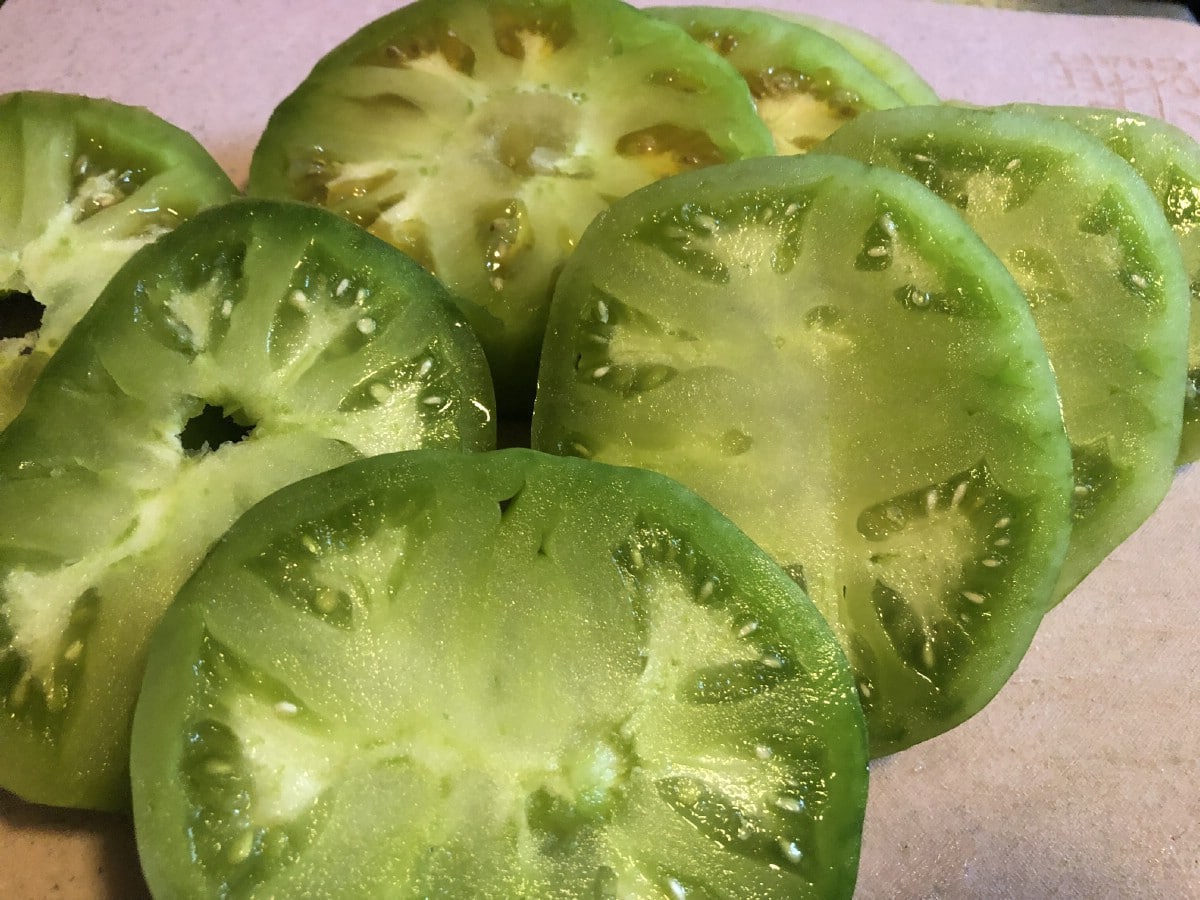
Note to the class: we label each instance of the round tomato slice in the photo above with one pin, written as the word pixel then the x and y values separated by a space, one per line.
pixel 1104 275
pixel 256 344
pixel 436 674
pixel 827 353
pixel 481 136
pixel 83 184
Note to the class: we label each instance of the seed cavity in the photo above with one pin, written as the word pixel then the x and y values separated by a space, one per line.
pixel 398 382
pixel 1096 477
pixel 737 681
pixel 532 33
pixel 941 552
pixel 877 245
pixel 436 43
pixel 1105 216
pixel 507 237
pixel 780 82
pixel 39 676
pixel 102 180
pixel 667 149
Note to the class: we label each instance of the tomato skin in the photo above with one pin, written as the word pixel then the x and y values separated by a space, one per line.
pixel 325 343
pixel 428 742
pixel 84 182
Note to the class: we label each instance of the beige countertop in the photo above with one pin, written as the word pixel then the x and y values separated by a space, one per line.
pixel 1081 779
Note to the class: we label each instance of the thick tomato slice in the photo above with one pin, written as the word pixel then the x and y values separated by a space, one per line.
pixel 436 674
pixel 482 137
pixel 256 344
pixel 828 354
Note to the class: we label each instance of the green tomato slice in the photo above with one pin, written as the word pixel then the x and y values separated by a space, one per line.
pixel 1168 160
pixel 828 354
pixel 481 137
pixel 83 184
pixel 1085 238
pixel 256 344
pixel 882 61
pixel 804 84
pixel 495 675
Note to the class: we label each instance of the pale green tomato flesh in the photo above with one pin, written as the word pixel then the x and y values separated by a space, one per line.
pixel 1086 240
pixel 884 62
pixel 482 137
pixel 314 342
pixel 804 84
pixel 84 183
pixel 1168 160
pixel 495 675
pixel 833 359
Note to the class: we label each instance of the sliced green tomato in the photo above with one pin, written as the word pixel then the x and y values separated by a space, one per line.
pixel 1169 162
pixel 434 674
pixel 828 354
pixel 1086 240
pixel 804 84
pixel 257 344
pixel 882 61
pixel 482 137
pixel 83 184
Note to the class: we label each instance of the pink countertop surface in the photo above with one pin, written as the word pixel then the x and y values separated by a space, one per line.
pixel 1081 780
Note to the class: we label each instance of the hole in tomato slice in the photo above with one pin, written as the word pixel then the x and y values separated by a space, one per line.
pixel 20 315
pixel 211 429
